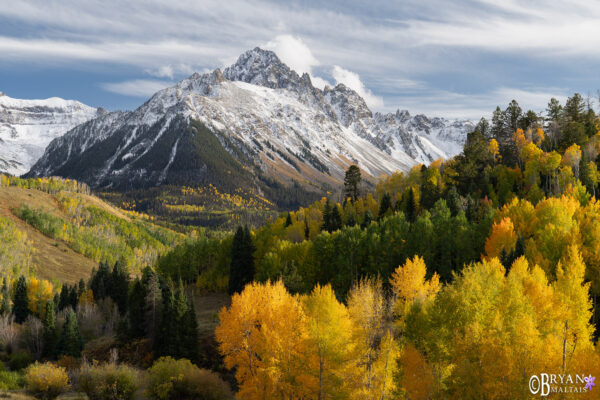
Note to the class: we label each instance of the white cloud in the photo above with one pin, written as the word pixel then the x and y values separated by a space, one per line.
pixel 294 52
pixel 296 55
pixel 453 105
pixel 352 80
pixel 170 71
pixel 136 87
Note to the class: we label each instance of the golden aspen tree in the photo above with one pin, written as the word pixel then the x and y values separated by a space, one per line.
pixel 416 376
pixel 375 346
pixel 39 293
pixel 262 335
pixel 330 350
pixel 409 286
pixel 502 239
pixel 494 149
pixel 573 304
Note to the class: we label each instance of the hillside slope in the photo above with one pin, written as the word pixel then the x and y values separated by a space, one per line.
pixel 62 232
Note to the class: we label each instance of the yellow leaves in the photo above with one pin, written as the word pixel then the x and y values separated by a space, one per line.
pixel 409 284
pixel 494 148
pixel 502 238
pixel 572 156
pixel 39 292
pixel 416 376
pixel 46 380
pixel 285 346
pixel 262 335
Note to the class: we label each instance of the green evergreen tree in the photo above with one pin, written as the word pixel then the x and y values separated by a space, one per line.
pixel 71 342
pixel 367 219
pixel 189 334
pixel 241 270
pixel 50 333
pixel 411 206
pixel 137 310
pixel 306 229
pixel 384 205
pixel 454 201
pixel 352 182
pixel 65 297
pixel 153 302
pixel 21 301
pixel 166 340
pixel 288 220
pixel 73 297
pixel 350 219
pixel 119 288
pixel 99 282
pixel 81 287
pixel 326 226
pixel 335 222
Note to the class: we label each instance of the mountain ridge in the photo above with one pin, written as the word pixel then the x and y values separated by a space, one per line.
pixel 270 119
pixel 28 126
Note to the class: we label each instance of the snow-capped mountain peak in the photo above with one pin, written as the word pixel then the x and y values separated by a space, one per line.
pixel 262 115
pixel 27 126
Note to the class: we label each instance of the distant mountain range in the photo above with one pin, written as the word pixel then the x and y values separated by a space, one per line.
pixel 256 124
pixel 28 126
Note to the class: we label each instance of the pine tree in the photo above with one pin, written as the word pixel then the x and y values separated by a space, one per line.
pixel 119 289
pixel 384 205
pixel 351 219
pixel 65 297
pixel 326 217
pixel 50 334
pixel 165 344
pixel 137 310
pixel 453 201
pixel 189 334
pixel 306 229
pixel 367 219
pixel 73 297
pixel 81 287
pixel 411 206
pixel 351 183
pixel 336 219
pixel 288 220
pixel 242 260
pixel 71 342
pixel 99 281
pixel 153 302
pixel 21 301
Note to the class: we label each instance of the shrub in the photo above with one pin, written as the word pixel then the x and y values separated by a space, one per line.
pixel 172 379
pixel 19 360
pixel 11 380
pixel 46 381
pixel 109 381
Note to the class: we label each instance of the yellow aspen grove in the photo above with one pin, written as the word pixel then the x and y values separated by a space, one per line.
pixel 330 349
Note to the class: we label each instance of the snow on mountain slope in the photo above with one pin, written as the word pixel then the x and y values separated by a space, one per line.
pixel 267 118
pixel 28 126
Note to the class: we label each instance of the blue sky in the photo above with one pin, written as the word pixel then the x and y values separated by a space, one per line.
pixel 455 59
